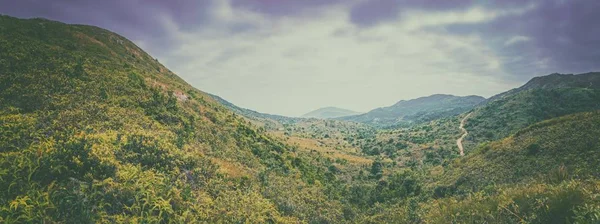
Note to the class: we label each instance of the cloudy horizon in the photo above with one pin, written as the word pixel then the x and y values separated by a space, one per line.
pixel 290 57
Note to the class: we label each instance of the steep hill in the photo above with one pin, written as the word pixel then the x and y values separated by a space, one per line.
pixel 545 173
pixel 567 146
pixel 556 80
pixel 93 129
pixel 540 99
pixel 329 112
pixel 418 110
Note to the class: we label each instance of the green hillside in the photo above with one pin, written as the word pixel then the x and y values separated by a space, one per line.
pixel 546 173
pixel 589 80
pixel 540 99
pixel 93 129
pixel 571 143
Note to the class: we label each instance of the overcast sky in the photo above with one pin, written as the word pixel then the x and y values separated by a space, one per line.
pixel 289 57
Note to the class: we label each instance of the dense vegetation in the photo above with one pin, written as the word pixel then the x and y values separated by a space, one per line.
pixel 423 145
pixel 566 144
pixel 93 129
pixel 549 169
pixel 509 112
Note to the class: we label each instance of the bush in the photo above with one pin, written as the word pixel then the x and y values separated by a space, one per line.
pixel 533 149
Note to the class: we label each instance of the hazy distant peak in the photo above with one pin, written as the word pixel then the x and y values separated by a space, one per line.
pixel 330 112
pixel 436 98
pixel 418 110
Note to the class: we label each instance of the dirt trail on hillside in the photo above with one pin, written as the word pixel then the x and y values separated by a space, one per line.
pixel 462 128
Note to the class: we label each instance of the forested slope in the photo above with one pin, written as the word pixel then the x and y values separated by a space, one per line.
pixel 545 173
pixel 541 98
pixel 93 129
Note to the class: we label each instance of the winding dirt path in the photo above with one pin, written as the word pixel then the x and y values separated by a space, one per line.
pixel 462 128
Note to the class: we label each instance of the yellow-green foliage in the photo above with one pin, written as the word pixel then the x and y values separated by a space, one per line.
pixel 569 202
pixel 505 116
pixel 92 129
pixel 553 150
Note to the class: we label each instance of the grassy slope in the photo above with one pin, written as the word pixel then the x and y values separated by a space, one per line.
pixel 93 129
pixel 568 145
pixel 540 99
pixel 545 173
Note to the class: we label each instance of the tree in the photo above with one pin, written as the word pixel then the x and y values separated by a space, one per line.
pixel 377 169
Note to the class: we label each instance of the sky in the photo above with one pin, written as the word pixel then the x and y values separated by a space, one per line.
pixel 289 57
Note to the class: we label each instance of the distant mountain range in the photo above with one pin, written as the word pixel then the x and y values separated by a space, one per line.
pixel 541 98
pixel 329 112
pixel 418 110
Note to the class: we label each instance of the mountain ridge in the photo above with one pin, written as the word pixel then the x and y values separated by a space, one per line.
pixel 541 98
pixel 556 80
pixel 418 110
pixel 255 114
pixel 329 112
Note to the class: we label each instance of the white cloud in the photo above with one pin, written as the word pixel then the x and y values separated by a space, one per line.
pixel 417 19
pixel 290 65
pixel 516 39
pixel 542 63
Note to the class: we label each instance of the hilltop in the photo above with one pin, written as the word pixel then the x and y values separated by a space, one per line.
pixel 555 80
pixel 423 109
pixel 539 99
pixel 329 112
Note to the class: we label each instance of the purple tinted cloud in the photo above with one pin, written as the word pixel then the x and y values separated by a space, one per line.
pixel 562 35
pixel 568 33
pixel 282 7
pixel 371 12
pixel 127 15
